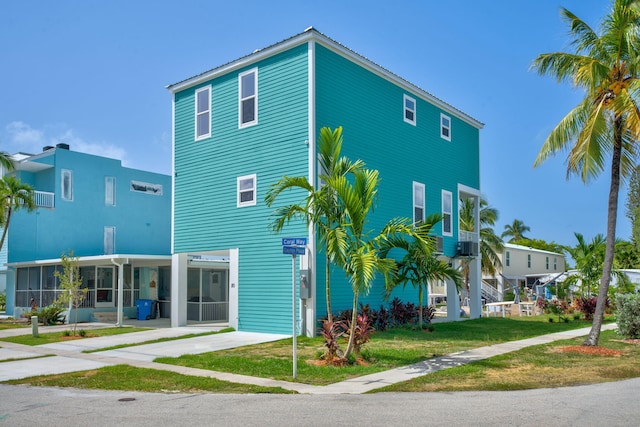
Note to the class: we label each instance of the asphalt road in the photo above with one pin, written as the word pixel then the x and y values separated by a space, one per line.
pixel 609 404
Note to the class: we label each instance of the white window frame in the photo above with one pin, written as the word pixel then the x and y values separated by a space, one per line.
pixel 239 191
pixel 198 113
pixel 109 240
pixel 405 109
pixel 420 188
pixel 66 193
pixel 447 195
pixel 241 99
pixel 109 190
pixel 443 127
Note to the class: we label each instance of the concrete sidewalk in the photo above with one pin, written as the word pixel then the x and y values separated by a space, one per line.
pixel 69 357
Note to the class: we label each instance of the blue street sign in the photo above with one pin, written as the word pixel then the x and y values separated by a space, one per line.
pixel 294 241
pixel 294 250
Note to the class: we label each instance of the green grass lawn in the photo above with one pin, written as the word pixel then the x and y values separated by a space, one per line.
pixel 52 337
pixel 128 378
pixel 386 350
pixel 540 366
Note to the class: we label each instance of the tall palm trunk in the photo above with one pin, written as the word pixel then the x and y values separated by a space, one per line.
pixel 612 213
pixel 327 269
pixel 6 226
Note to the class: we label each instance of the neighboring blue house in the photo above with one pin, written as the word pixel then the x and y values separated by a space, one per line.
pixel 240 127
pixel 116 220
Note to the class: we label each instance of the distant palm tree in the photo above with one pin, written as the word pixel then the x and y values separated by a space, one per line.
pixel 607 121
pixel 491 244
pixel 589 257
pixel 6 162
pixel 515 230
pixel 14 195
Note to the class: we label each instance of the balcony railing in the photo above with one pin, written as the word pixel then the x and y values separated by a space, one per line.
pixel 467 236
pixel 43 199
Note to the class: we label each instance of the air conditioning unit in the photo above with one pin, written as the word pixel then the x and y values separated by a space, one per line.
pixel 467 249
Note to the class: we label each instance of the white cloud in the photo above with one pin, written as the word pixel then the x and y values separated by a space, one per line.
pixel 22 137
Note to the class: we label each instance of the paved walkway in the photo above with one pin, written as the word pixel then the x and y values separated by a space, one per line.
pixel 20 361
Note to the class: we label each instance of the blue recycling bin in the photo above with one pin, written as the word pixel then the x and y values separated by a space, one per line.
pixel 144 307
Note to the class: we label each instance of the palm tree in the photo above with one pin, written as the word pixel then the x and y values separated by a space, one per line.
pixel 491 244
pixel 589 257
pixel 515 230
pixel 14 195
pixel 420 266
pixel 320 206
pixel 363 257
pixel 6 162
pixel 607 121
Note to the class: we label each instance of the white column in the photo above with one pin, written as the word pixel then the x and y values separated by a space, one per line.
pixel 475 288
pixel 234 265
pixel 178 290
pixel 453 302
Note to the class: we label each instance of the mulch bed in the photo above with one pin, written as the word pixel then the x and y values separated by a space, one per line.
pixel 590 349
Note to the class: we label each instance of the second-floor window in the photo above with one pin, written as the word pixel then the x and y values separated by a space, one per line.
pixel 508 259
pixel 110 190
pixel 547 263
pixel 446 213
pixel 203 113
pixel 555 263
pixel 418 202
pixel 246 190
pixel 529 260
pixel 248 98
pixel 409 109
pixel 66 185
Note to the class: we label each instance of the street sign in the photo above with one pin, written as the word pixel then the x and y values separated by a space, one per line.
pixel 294 241
pixel 294 250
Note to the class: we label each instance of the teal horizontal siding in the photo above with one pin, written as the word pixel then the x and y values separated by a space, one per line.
pixel 206 215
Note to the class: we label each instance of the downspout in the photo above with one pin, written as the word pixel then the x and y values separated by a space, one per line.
pixel 120 289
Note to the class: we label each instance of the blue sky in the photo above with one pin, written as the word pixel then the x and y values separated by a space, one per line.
pixel 93 74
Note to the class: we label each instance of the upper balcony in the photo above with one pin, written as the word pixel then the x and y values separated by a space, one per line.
pixel 44 199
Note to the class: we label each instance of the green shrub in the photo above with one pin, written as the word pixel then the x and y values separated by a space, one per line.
pixel 50 315
pixel 3 301
pixel 628 315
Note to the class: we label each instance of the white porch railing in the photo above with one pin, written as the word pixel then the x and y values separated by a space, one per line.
pixel 208 311
pixel 44 199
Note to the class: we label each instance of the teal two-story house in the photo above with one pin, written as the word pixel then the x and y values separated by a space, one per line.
pixel 116 220
pixel 240 127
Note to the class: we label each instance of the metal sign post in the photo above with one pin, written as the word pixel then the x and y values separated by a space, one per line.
pixel 294 246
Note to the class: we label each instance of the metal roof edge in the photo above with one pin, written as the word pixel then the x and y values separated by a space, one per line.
pixel 312 34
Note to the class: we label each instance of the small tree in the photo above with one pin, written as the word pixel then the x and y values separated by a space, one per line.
pixel 628 315
pixel 71 285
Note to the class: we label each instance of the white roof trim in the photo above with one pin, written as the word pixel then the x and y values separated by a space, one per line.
pixel 313 35
pixel 92 259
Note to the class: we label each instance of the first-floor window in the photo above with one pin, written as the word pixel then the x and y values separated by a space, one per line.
pixel 109 240
pixel 447 202
pixel 418 202
pixel 246 187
